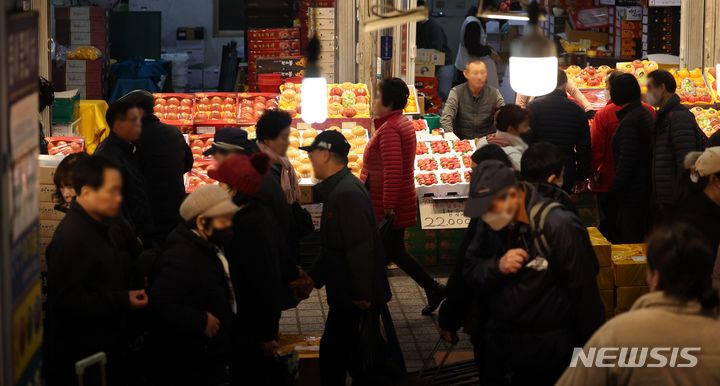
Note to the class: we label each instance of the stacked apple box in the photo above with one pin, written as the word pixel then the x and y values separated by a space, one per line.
pixel 49 217
pixel 629 263
pixel 306 19
pixel 82 27
pixel 191 40
pixel 270 43
pixel 322 25
pixel 605 278
pixel 627 33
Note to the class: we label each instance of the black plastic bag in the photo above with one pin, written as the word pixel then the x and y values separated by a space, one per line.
pixel 376 364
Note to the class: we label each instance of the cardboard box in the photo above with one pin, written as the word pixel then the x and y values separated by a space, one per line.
pixel 84 66
pixel 274 45
pixel 629 264
pixel 323 13
pixel 46 193
pixel 44 242
pixel 83 78
pixel 325 25
pixel 325 34
pixel 80 13
pixel 48 212
pixel 599 38
pixel 428 56
pixel 601 246
pixel 273 33
pixel 306 194
pixel 46 175
pixel 626 296
pixel 305 349
pixel 608 299
pixel 424 70
pixel 48 227
pixel 606 279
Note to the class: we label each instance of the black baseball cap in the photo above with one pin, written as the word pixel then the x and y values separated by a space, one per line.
pixel 231 139
pixel 330 140
pixel 487 180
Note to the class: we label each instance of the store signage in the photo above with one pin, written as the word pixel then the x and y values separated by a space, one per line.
pixel 442 214
pixel 664 3
pixel 315 211
pixel 386 47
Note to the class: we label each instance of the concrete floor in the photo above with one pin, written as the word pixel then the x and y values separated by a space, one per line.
pixel 418 334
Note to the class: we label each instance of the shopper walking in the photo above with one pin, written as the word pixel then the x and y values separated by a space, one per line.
pixel 388 164
pixel 469 111
pixel 164 157
pixel 572 90
pixel 680 312
pixel 538 303
pixel 351 264
pixel 89 297
pixel 124 120
pixel 254 255
pixel 64 189
pixel 602 130
pixel 473 43
pixel 700 207
pixel 676 134
pixel 193 300
pixel 543 166
pixel 632 157
pixel 556 119
pixel 512 121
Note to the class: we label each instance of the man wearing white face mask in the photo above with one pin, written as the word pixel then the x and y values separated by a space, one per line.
pixel 536 283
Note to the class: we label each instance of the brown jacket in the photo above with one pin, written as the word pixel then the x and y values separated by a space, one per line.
pixel 655 321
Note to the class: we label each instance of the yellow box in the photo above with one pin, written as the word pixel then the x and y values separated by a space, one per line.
pixel 606 279
pixel 48 227
pixel 46 193
pixel 629 264
pixel 601 246
pixel 306 195
pixel 626 296
pixel 48 212
pixel 608 299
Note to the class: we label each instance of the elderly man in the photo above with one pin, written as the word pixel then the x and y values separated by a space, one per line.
pixel 470 108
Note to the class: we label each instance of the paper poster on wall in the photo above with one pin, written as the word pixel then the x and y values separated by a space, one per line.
pixel 24 193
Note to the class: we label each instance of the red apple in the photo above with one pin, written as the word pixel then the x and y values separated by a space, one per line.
pixel 336 91
pixel 173 102
pixel 349 112
pixel 205 101
pixel 360 91
pixel 217 100
pixel 593 81
pixel 590 70
pixel 215 115
pixel 159 109
pixel 172 109
pixel 186 102
pixel 160 101
pixel 215 107
pixel 229 100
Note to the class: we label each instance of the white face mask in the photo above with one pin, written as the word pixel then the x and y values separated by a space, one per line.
pixel 497 221
pixel 606 93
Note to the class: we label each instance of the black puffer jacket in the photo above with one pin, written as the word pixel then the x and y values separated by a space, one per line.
pixel 164 158
pixel 632 154
pixel 556 119
pixel 676 134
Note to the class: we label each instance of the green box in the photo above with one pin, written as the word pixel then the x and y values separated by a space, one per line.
pixel 422 244
pixel 66 107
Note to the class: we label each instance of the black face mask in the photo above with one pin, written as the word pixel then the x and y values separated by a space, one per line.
pixel 219 237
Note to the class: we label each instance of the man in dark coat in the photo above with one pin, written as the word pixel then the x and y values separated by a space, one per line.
pixel 537 305
pixel 676 133
pixel 88 295
pixel 124 120
pixel 193 299
pixel 556 119
pixel 632 154
pixel 164 158
pixel 543 166
pixel 351 263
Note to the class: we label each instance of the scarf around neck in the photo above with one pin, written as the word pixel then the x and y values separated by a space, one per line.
pixel 288 178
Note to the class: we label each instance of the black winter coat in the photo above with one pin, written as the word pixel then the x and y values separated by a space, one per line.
pixel 556 119
pixel 676 134
pixel 632 155
pixel 704 214
pixel 351 262
pixel 87 295
pixel 164 158
pixel 136 204
pixel 714 140
pixel 189 283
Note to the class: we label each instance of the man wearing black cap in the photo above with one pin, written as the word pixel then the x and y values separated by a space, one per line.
pixel 534 268
pixel 350 264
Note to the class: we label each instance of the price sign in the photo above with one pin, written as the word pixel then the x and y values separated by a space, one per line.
pixel 446 214
pixel 315 211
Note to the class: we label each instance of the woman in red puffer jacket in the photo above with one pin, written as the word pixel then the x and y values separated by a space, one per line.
pixel 388 165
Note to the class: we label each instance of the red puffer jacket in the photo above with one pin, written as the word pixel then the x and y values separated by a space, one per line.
pixel 388 164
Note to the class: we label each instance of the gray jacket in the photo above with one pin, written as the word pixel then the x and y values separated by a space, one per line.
pixel 468 116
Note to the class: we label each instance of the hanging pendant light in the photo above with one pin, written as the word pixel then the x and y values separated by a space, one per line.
pixel 313 95
pixel 533 59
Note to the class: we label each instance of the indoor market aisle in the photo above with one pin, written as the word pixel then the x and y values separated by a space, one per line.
pixel 418 334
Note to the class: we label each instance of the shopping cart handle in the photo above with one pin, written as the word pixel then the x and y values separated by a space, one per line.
pixel 82 364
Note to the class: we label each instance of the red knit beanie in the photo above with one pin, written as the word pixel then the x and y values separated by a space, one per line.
pixel 242 173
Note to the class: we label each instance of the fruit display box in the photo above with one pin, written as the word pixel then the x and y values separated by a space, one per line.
pixel 639 68
pixel 198 175
pixel 290 98
pixel 357 136
pixel 442 168
pixel 216 108
pixel 691 87
pixel 175 109
pixel 65 145
pixel 348 100
pixel 253 105
pixel 711 78
pixel 588 77
pixel 707 118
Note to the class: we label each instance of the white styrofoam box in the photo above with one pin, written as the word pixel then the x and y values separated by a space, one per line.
pixel 211 77
pixel 323 13
pixel 325 35
pixel 81 39
pixel 78 26
pixel 324 24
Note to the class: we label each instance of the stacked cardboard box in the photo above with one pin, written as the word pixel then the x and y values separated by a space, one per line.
pixel 428 86
pixel 49 217
pixel 323 26
pixel 605 279
pixel 628 29
pixel 191 41
pixel 270 43
pixel 629 271
pixel 81 27
pixel 307 22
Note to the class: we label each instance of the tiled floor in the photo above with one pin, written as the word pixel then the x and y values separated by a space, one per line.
pixel 418 334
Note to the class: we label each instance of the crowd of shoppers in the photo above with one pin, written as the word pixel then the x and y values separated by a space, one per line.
pixel 191 291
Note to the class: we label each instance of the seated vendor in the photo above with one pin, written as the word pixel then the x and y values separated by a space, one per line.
pixel 470 108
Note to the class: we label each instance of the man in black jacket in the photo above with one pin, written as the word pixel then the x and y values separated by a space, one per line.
pixel 193 299
pixel 164 157
pixel 254 255
pixel 88 295
pixel 350 265
pixel 543 166
pixel 124 120
pixel 556 119
pixel 676 133
pixel 537 305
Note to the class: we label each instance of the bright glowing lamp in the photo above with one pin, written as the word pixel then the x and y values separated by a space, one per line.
pixel 313 95
pixel 533 60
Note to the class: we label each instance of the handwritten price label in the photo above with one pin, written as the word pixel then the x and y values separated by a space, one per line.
pixel 442 214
